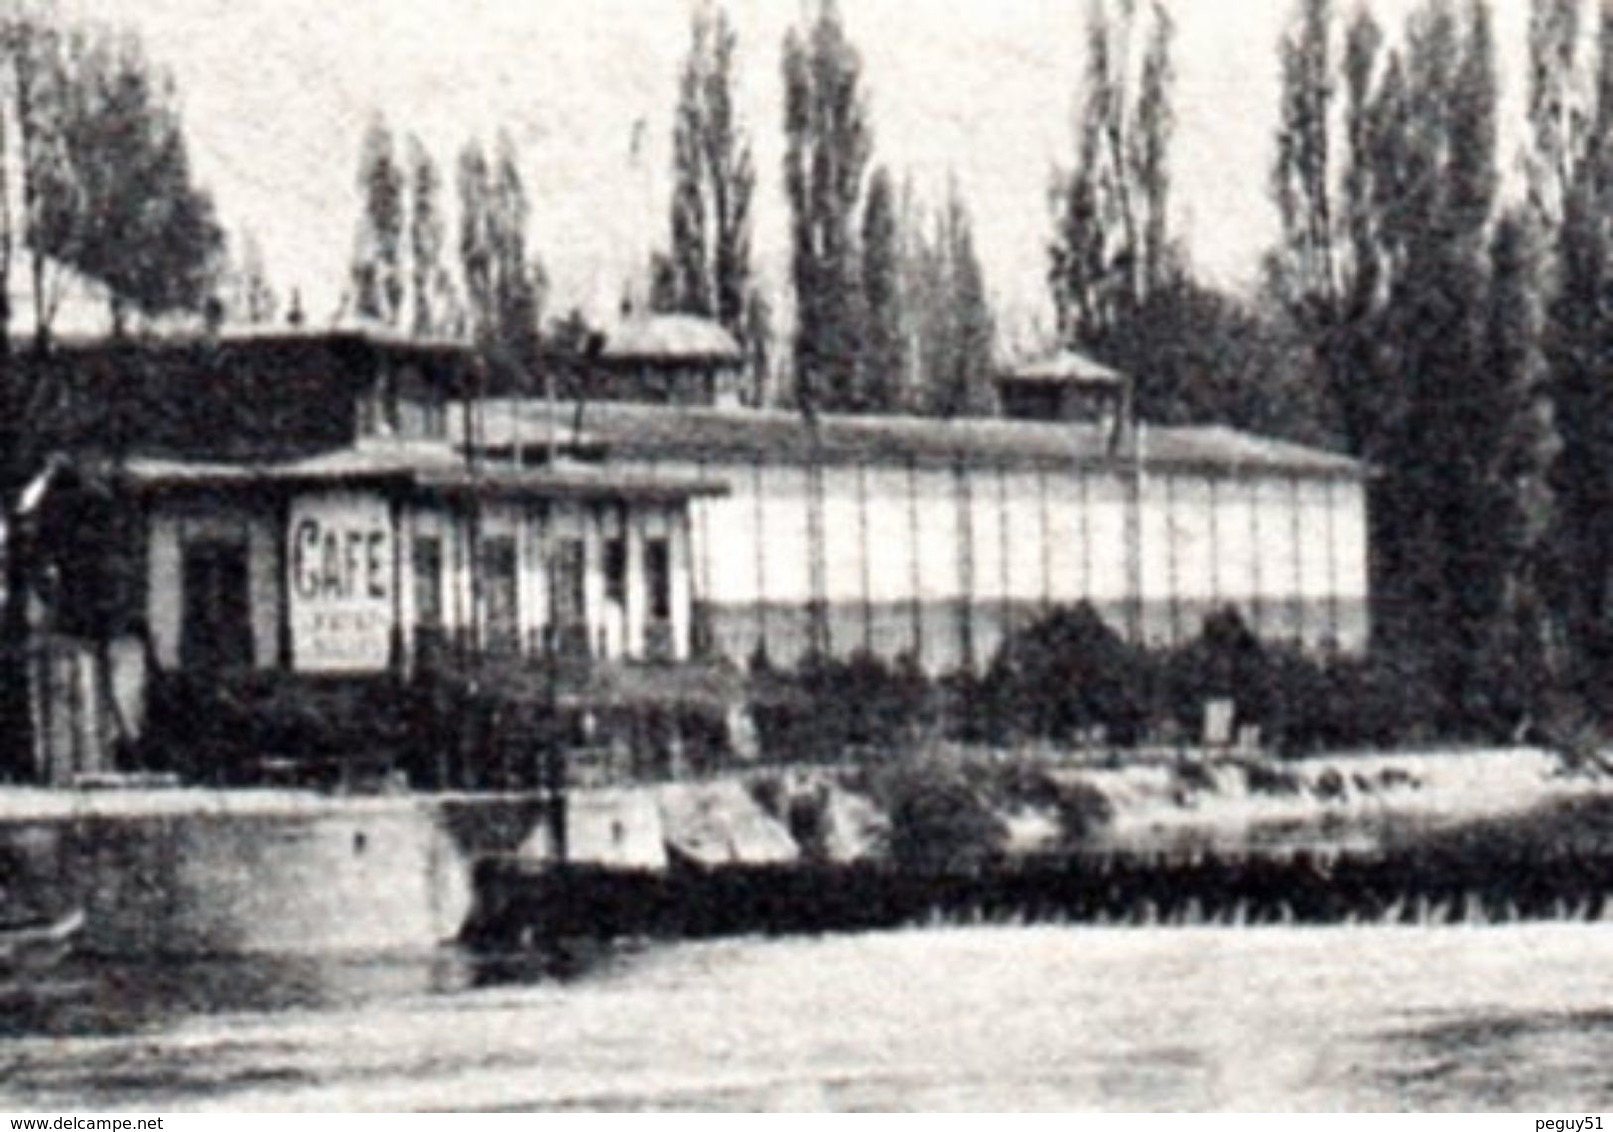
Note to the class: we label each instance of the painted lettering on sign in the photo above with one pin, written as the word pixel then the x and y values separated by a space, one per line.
pixel 332 563
pixel 339 558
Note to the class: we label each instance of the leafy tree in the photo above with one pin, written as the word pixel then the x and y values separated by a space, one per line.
pixel 377 272
pixel 1560 105
pixel 828 142
pixel 924 288
pixel 107 186
pixel 1384 267
pixel 476 240
pixel 1112 248
pixel 93 156
pixel 883 360
pixel 432 286
pixel 1579 345
pixel 1222 358
pixel 960 383
pixel 1439 159
pixel 504 288
pixel 950 327
pixel 1519 507
pixel 517 283
pixel 713 180
pixel 1327 269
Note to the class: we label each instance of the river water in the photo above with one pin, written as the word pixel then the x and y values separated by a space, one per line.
pixel 1516 1016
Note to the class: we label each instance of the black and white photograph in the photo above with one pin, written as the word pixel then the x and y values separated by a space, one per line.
pixel 678 556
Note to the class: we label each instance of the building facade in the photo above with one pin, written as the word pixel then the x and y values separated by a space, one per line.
pixel 936 538
pixel 341 504
pixel 359 554
pixel 359 561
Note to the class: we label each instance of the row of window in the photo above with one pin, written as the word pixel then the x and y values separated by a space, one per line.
pixel 568 567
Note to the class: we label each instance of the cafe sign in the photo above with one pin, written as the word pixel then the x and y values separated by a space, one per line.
pixel 339 558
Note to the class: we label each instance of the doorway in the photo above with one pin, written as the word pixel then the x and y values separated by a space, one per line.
pixel 216 626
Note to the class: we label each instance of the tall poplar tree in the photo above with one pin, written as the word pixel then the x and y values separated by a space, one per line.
pixel 1386 266
pixel 714 180
pixel 883 358
pixel 950 331
pixel 476 241
pixel 1518 510
pixel 961 384
pixel 1112 249
pixel 1580 352
pixel 515 278
pixel 1327 269
pixel 828 142
pixel 377 273
pixel 430 284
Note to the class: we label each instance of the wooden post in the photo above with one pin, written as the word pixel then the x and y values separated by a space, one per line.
pixel 1131 471
pixel 1257 561
pixel 1172 580
pixel 1047 538
pixel 965 551
pixel 1006 575
pixel 915 578
pixel 761 554
pixel 1298 531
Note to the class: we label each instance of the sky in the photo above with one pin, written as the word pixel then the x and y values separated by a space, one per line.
pixel 276 95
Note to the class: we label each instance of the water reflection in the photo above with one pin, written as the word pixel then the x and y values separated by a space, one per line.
pixel 1501 1061
pixel 1044 1017
pixel 93 996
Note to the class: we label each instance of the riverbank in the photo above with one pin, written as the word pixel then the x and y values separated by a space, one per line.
pixel 959 806
pixel 1473 837
pixel 951 833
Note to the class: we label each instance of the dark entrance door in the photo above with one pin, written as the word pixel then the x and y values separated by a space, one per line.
pixel 216 632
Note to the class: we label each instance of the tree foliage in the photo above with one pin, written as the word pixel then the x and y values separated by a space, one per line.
pixel 1327 268
pixel 713 180
pixel 1112 249
pixel 378 275
pixel 828 143
pixel 518 282
pixel 948 330
pixel 106 184
pixel 1579 345
pixel 956 380
pixel 93 152
pixel 1420 306
pixel 504 288
pixel 434 305
pixel 882 361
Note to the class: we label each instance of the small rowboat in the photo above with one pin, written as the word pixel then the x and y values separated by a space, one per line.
pixel 37 945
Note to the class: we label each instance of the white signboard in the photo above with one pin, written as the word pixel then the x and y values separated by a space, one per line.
pixel 340 561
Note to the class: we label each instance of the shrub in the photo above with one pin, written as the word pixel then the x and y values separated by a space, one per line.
pixel 828 706
pixel 231 730
pixel 1065 674
pixel 940 821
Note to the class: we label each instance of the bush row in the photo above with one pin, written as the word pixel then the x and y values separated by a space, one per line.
pixel 1069 678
